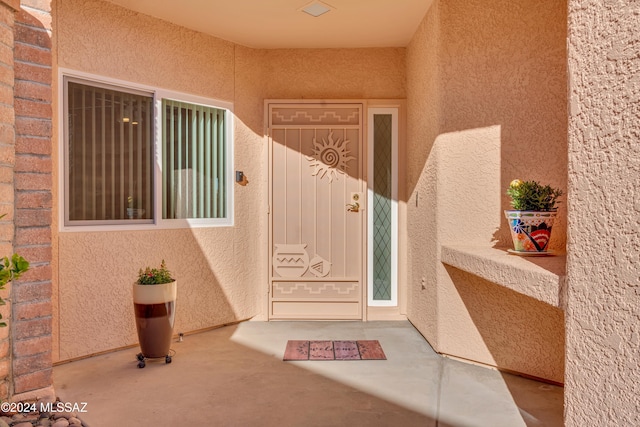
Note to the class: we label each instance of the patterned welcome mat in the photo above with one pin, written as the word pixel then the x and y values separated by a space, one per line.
pixel 334 350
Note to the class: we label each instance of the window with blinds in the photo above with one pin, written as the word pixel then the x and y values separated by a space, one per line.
pixel 109 155
pixel 194 161
pixel 135 155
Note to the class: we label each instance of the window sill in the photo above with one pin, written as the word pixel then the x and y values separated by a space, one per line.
pixel 542 278
pixel 165 224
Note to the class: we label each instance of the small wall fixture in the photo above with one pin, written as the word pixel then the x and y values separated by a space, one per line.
pixel 316 8
pixel 241 178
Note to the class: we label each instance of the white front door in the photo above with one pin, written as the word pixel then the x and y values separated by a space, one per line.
pixel 317 210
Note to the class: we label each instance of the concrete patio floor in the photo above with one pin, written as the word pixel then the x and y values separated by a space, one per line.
pixel 235 376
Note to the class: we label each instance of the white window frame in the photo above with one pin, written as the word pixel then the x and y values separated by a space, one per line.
pixel 371 111
pixel 158 95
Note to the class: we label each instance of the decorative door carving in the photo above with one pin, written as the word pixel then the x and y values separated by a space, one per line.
pixel 316 211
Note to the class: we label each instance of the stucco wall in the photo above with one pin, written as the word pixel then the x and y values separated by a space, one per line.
pixel 603 319
pixel 423 125
pixel 487 104
pixel 221 272
pixel 335 73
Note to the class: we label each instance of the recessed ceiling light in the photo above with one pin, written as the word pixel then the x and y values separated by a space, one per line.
pixel 316 8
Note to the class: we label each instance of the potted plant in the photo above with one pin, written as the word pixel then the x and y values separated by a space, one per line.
pixel 10 269
pixel 532 217
pixel 154 300
pixel 133 210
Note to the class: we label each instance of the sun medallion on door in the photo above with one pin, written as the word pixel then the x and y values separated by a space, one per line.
pixel 316 211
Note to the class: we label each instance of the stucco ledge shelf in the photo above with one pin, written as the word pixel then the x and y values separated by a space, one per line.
pixel 542 278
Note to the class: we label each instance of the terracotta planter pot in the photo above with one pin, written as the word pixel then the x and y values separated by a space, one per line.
pixel 530 230
pixel 154 307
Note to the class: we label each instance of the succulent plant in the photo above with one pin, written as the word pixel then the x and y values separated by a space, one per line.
pixel 533 196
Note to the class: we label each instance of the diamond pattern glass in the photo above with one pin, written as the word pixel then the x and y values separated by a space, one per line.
pixel 382 186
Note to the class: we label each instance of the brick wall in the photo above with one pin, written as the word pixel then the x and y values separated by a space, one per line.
pixel 31 324
pixel 7 160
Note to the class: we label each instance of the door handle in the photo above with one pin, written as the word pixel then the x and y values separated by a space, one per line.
pixel 353 207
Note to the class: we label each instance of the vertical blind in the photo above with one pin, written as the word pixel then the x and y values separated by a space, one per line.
pixel 109 163
pixel 194 161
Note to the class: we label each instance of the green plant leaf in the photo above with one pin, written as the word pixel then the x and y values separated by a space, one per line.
pixel 533 196
pixel 11 269
pixel 154 276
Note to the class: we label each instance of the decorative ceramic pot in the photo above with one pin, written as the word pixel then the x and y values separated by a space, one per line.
pixel 290 260
pixel 530 230
pixel 155 309
pixel 135 213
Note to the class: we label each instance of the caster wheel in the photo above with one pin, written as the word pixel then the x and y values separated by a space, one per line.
pixel 140 357
pixel 167 359
pixel 141 364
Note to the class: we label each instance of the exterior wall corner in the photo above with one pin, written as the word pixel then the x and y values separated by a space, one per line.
pixel 31 304
pixel 602 327
pixel 7 161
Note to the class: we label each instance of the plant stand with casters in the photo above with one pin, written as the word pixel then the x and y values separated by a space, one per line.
pixel 142 359
pixel 154 307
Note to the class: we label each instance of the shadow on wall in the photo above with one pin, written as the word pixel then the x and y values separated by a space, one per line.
pixel 96 303
pixel 498 65
pixel 521 333
pixel 219 263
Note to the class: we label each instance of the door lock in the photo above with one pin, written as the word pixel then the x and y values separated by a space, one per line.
pixel 354 206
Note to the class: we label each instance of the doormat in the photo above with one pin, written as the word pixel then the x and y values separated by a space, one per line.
pixel 334 350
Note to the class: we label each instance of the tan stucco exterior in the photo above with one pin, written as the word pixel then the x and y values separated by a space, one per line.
pixel 221 271
pixel 486 104
pixel 486 87
pixel 465 145
pixel 603 265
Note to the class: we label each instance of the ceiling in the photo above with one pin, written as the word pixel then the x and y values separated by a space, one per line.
pixel 274 24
